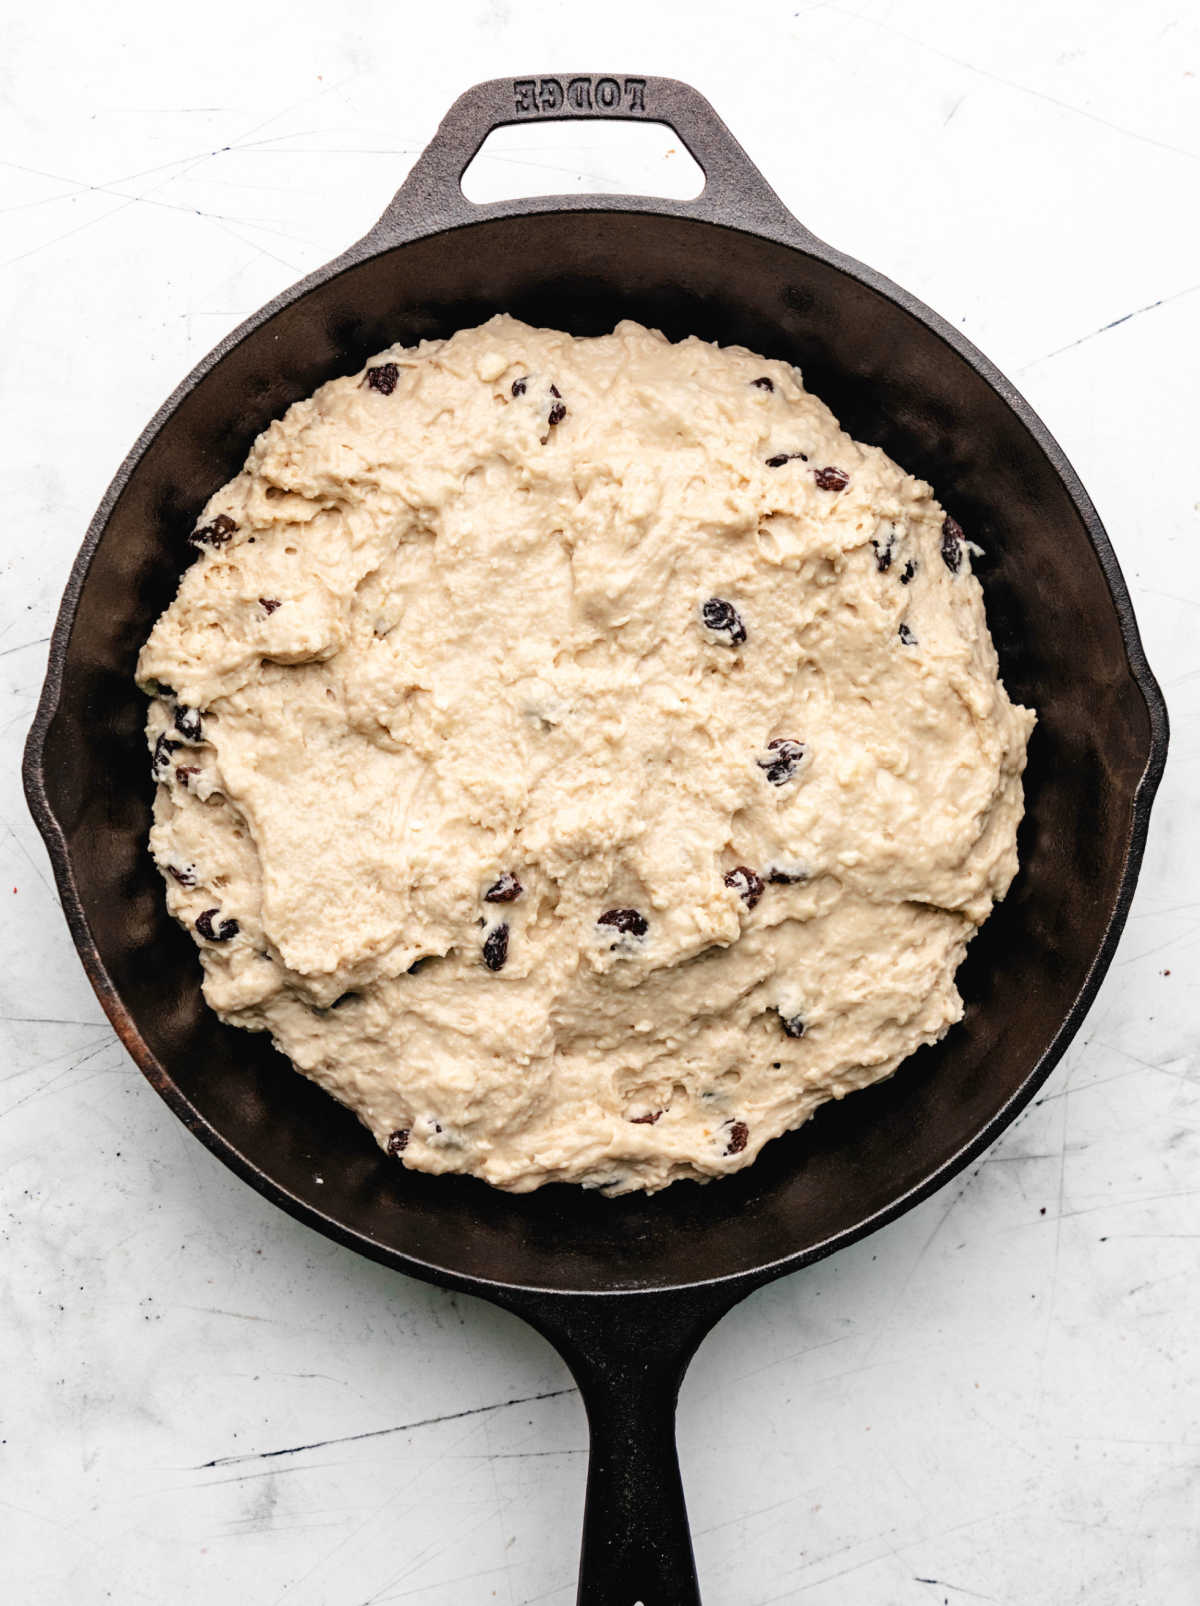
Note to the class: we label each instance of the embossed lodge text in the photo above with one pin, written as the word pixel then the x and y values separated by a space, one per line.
pixel 536 96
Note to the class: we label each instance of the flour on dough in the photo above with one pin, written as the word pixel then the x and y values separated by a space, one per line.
pixel 579 755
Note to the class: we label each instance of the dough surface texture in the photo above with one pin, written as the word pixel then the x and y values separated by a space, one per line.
pixel 579 755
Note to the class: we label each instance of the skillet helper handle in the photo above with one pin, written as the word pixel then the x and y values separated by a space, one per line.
pixel 431 197
pixel 628 1353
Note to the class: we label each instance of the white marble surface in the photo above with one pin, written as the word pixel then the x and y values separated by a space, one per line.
pixel 992 1400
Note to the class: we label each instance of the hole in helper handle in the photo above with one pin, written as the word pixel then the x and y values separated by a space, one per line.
pixel 431 198
pixel 628 1353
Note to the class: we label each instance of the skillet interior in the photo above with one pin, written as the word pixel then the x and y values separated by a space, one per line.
pixel 890 380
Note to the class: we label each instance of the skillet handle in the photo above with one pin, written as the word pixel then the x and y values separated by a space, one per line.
pixel 431 197
pixel 628 1353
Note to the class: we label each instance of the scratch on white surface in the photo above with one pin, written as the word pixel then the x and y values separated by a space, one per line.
pixel 49 1086
pixel 446 1583
pixel 745 1516
pixel 1163 301
pixel 1024 89
pixel 40 641
pixel 959 1589
pixel 31 861
pixel 146 197
pixel 48 1020
pixel 1052 1302
pixel 379 1433
pixel 881 1332
pixel 259 250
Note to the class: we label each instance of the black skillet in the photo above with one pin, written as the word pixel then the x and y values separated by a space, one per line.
pixel 625 1289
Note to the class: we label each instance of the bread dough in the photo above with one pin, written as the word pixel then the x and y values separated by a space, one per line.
pixel 580 755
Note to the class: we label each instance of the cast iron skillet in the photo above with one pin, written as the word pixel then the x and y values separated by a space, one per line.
pixel 624 1288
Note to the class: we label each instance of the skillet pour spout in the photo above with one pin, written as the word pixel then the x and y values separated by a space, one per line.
pixel 625 1288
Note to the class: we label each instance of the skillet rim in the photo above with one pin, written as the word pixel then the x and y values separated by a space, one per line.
pixel 781 229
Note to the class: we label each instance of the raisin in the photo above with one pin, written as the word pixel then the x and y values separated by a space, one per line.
pixel 645 1120
pixel 398 1142
pixel 495 948
pixel 952 544
pixel 739 1136
pixel 188 723
pixel 161 762
pixel 269 604
pixel 627 921
pixel 764 383
pixel 217 533
pixel 883 554
pixel 831 479
pixel 907 637
pixel 186 877
pixel 792 1024
pixel 909 569
pixel 519 386
pixel 746 884
pixel 221 932
pixel 555 392
pixel 184 773
pixel 383 378
pixel 781 458
pixel 723 619
pixel 782 767
pixel 505 890
pixel 558 412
